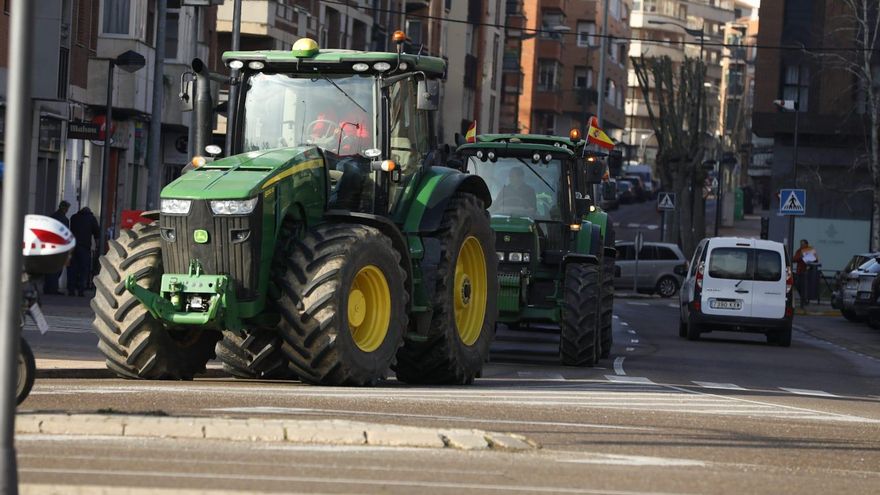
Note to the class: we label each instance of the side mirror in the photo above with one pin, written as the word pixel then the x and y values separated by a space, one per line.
pixel 459 139
pixel 428 95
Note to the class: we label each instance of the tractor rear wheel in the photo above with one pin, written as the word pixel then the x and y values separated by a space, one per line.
pixel 465 297
pixel 134 343
pixel 578 325
pixel 253 354
pixel 342 305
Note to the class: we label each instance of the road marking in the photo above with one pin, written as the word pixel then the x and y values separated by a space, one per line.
pixel 629 379
pixel 618 366
pixel 632 460
pixel 672 306
pixel 634 341
pixel 630 349
pixel 814 393
pixel 540 375
pixel 360 482
pixel 615 317
pixel 722 386
pixel 624 323
pixel 631 331
pixel 633 225
pixel 652 227
pixel 633 303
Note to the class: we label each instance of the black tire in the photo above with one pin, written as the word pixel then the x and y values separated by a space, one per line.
pixel 26 372
pixel 693 331
pixel 253 354
pixel 780 337
pixel 666 287
pixel 852 316
pixel 315 290
pixel 578 322
pixel 444 358
pixel 135 344
pixel 682 328
pixel 606 317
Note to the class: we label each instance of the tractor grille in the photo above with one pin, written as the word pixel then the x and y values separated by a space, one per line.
pixel 233 247
pixel 518 241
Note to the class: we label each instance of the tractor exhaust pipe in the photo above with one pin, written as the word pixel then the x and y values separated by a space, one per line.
pixel 203 106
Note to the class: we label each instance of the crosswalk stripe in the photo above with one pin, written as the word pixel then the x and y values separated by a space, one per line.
pixel 722 386
pixel 814 393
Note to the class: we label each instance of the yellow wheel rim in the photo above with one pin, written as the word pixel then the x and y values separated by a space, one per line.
pixel 470 290
pixel 369 308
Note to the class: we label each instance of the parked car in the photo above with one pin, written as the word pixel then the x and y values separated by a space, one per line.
pixel 639 191
pixel 661 267
pixel 610 200
pixel 625 192
pixel 873 317
pixel 740 285
pixel 847 283
pixel 646 175
pixel 859 285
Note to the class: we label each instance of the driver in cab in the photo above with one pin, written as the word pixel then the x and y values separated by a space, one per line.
pixel 517 195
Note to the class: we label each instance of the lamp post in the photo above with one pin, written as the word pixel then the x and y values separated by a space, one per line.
pixel 792 106
pixel 129 61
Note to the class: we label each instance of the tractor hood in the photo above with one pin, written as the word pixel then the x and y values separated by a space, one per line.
pixel 243 176
pixel 504 223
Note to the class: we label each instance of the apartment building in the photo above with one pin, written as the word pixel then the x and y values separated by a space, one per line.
pixel 831 126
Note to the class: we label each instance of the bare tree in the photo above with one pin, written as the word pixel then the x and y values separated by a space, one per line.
pixel 675 100
pixel 857 27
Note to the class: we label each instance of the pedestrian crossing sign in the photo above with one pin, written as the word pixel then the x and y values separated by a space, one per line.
pixel 665 201
pixel 792 201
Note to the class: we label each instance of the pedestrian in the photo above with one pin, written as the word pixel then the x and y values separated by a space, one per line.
pixel 84 227
pixel 805 255
pixel 50 281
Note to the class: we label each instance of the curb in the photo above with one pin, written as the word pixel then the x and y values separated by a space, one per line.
pixel 803 312
pixel 316 432
pixel 630 295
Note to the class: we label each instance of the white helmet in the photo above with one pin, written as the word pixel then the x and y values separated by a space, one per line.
pixel 46 245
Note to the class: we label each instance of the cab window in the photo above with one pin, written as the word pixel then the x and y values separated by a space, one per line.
pixel 409 129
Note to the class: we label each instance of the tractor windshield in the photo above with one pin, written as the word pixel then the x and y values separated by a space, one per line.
pixel 331 112
pixel 521 188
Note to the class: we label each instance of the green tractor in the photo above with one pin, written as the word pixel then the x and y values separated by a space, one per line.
pixel 555 247
pixel 330 244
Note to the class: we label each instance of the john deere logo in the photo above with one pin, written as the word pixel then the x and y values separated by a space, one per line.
pixel 507 238
pixel 200 236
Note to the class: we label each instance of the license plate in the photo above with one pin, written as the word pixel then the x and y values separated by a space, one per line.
pixel 864 296
pixel 39 319
pixel 726 304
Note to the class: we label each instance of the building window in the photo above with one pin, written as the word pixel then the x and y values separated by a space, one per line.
pixel 610 91
pixel 583 77
pixel 550 21
pixel 622 51
pixel 614 8
pixel 545 123
pixel 585 33
pixel 172 29
pixel 116 16
pixel 796 88
pixel 547 70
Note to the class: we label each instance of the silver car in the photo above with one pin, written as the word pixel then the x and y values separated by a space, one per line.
pixel 846 285
pixel 661 267
pixel 855 291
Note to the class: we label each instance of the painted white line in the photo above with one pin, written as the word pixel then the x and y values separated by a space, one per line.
pixel 139 476
pixel 540 375
pixel 618 365
pixel 629 379
pixel 814 393
pixel 615 317
pixel 630 349
pixel 652 227
pixel 624 323
pixel 631 331
pixel 633 225
pixel 722 386
pixel 633 303
pixel 634 341
pixel 672 306
pixel 632 460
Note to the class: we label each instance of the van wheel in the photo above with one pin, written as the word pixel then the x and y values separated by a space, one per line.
pixel 851 315
pixel 693 331
pixel 682 328
pixel 780 337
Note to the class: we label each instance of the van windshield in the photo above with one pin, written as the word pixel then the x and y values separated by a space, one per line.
pixel 760 265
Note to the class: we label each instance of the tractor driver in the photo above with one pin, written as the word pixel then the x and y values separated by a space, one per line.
pixel 517 194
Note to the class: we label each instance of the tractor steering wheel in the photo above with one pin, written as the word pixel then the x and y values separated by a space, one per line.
pixel 324 134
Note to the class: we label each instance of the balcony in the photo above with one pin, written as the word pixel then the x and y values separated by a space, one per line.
pixel 674 52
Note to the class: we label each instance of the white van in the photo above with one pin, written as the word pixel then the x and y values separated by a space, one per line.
pixel 739 285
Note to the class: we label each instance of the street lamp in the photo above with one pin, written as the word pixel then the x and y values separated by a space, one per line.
pixel 131 62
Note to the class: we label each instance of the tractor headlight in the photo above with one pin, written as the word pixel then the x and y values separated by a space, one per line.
pixel 175 206
pixel 515 257
pixel 234 206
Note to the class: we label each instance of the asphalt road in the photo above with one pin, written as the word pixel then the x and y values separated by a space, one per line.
pixel 726 414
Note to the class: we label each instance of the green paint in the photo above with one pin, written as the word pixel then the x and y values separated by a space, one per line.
pixel 340 60
pixel 200 236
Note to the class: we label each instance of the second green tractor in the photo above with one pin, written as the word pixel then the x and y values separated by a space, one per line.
pixel 555 247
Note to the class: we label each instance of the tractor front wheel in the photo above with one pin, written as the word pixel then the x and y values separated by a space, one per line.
pixel 465 294
pixel 134 343
pixel 253 354
pixel 578 325
pixel 343 305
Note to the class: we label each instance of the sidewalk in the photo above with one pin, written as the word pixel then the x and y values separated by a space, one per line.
pixel 749 226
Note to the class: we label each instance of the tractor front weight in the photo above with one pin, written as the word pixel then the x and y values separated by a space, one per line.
pixel 195 299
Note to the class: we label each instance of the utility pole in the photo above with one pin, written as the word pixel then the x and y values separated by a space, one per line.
pixel 154 148
pixel 194 29
pixel 17 159
pixel 106 210
pixel 233 81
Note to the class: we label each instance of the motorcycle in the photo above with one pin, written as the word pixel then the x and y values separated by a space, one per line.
pixel 46 248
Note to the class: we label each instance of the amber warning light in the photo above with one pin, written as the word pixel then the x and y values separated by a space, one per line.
pixel 574 134
pixel 398 36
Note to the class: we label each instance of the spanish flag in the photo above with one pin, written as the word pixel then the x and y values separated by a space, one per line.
pixel 597 136
pixel 471 135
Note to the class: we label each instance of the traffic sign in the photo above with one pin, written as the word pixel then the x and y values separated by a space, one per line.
pixel 792 201
pixel 666 201
pixel 639 243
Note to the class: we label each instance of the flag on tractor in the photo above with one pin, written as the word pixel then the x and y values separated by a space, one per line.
pixel 471 135
pixel 596 135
